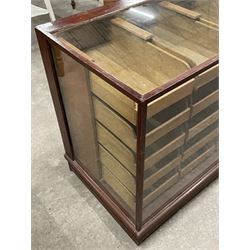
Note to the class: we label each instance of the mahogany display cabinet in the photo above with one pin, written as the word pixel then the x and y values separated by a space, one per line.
pixel 135 90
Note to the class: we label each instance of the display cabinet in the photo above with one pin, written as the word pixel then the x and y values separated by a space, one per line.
pixel 135 90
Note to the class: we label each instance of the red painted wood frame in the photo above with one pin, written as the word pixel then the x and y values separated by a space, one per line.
pixel 137 231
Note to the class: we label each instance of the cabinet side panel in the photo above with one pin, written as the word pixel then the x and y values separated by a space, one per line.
pixel 74 86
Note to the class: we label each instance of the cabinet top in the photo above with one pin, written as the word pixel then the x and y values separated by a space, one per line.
pixel 143 46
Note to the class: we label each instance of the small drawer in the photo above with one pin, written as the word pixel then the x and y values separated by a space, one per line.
pixel 115 147
pixel 152 179
pixel 198 145
pixel 170 98
pixel 167 126
pixel 160 190
pixel 206 77
pixel 116 124
pixel 201 158
pixel 161 153
pixel 117 169
pixel 118 188
pixel 205 102
pixel 203 125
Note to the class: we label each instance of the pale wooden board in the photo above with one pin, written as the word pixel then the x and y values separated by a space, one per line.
pixel 116 124
pixel 203 124
pixel 166 127
pixel 208 138
pixel 207 76
pixel 123 72
pixel 118 170
pixel 192 50
pixel 170 98
pixel 161 172
pixel 197 161
pixel 205 102
pixel 116 148
pixel 180 10
pixel 139 64
pixel 118 188
pixel 132 28
pixel 164 151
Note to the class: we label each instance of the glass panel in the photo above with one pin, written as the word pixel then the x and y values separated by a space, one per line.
pixel 181 139
pixel 102 129
pixel 150 44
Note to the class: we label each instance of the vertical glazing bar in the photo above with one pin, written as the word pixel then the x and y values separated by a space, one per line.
pixel 141 135
pixel 50 70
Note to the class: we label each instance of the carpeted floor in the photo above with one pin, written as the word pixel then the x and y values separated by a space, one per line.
pixel 66 216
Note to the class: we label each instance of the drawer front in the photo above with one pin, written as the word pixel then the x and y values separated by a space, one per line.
pixel 167 126
pixel 170 98
pixel 115 99
pixel 115 147
pixel 203 124
pixel 158 155
pixel 160 190
pixel 200 144
pixel 117 169
pixel 201 158
pixel 116 124
pixel 118 188
pixel 156 176
pixel 204 103
pixel 206 76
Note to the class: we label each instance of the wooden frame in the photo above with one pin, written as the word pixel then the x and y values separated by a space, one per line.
pixel 137 229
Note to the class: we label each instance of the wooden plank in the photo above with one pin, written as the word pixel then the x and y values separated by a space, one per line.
pixel 116 148
pixel 143 34
pixel 116 124
pixel 180 10
pixel 211 136
pixel 158 191
pixel 170 98
pixel 118 188
pixel 166 127
pixel 161 172
pixel 206 76
pixel 197 161
pixel 122 57
pixel 128 73
pixel 205 102
pixel 164 151
pixel 117 169
pixel 203 124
